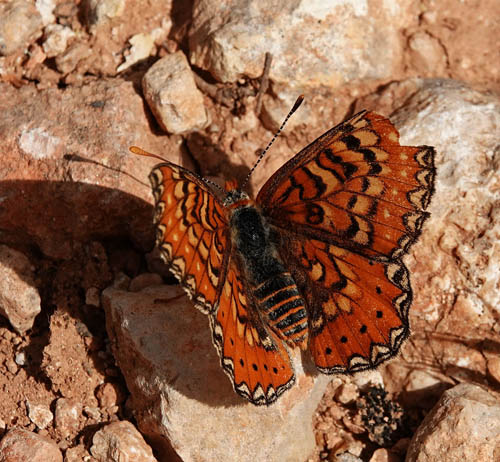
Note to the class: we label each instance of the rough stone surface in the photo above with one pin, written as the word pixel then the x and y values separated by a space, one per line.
pixel 67 414
pixel 464 425
pixel 19 299
pixel 22 445
pixel 39 414
pixel 20 25
pixel 457 291
pixel 56 39
pixel 313 43
pixel 53 200
pixel 172 95
pixel 179 389
pixel 120 441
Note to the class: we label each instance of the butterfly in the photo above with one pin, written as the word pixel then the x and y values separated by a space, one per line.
pixel 313 262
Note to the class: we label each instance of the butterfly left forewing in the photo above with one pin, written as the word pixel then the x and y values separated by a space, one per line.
pixel 252 356
pixel 191 232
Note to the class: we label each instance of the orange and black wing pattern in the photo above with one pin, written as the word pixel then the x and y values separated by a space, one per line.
pixel 192 233
pixel 346 208
pixel 255 359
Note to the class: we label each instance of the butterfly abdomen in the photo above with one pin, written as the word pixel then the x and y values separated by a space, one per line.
pixel 273 288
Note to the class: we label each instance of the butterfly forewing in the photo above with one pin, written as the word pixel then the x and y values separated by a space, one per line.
pixel 354 185
pixel 191 232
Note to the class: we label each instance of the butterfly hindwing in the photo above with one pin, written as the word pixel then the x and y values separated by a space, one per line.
pixel 251 354
pixel 191 231
pixel 358 307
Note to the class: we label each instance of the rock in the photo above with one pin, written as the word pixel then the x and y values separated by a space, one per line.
pixel 57 200
pixel 120 441
pixel 67 414
pixel 56 39
pixel 427 54
pixel 46 9
pixel 143 45
pixel 464 425
pixel 456 292
pixel 39 414
pixel 145 280
pixel 20 25
pixel 312 44
pixel 19 299
pixel 22 445
pixel 169 344
pixel 172 95
pixel 99 12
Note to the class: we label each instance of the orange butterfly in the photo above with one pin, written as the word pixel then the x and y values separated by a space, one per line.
pixel 314 261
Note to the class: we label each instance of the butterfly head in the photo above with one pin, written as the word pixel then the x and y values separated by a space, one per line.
pixel 234 195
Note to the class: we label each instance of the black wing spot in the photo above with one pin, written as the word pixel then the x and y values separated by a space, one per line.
pixel 328 350
pixel 242 363
pixel 349 169
pixel 379 290
pixel 255 368
pixel 379 314
pixel 375 169
pixel 265 367
pixel 352 142
pixel 352 202
pixel 275 370
pixel 363 329
pixel 368 154
pixel 343 339
pixel 232 341
pixel 315 214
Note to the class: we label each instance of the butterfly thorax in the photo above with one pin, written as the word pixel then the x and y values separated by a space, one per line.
pixel 273 289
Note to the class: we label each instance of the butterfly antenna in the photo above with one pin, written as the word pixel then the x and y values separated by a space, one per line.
pixel 142 152
pixel 263 153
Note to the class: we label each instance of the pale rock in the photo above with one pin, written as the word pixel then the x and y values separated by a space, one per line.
pixel 455 264
pixel 77 454
pixel 172 95
pixel 327 43
pixel 67 414
pixel 19 299
pixel 22 445
pixel 464 425
pixel 120 441
pixel 74 54
pixel 20 25
pixel 143 45
pixel 39 414
pixel 427 54
pixel 46 9
pixel 56 39
pixel 384 455
pixel 179 390
pixel 99 12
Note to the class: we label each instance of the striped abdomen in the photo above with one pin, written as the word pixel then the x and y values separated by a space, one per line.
pixel 284 307
pixel 274 290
